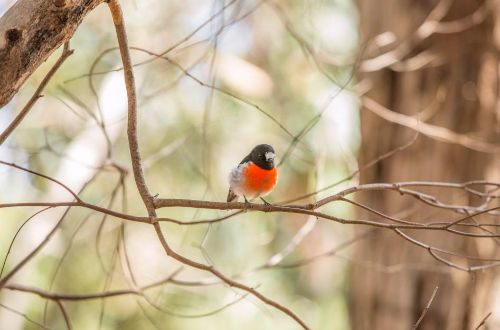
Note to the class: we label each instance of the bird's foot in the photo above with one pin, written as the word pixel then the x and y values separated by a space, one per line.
pixel 269 205
pixel 247 204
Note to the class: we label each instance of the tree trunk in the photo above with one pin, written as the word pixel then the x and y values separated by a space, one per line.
pixel 460 94
pixel 29 32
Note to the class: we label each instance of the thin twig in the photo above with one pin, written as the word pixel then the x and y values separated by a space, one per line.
pixel 483 321
pixel 426 309
pixel 27 258
pixel 64 313
pixel 26 317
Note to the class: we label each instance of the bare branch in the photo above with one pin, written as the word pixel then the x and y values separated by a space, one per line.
pixel 433 295
pixel 43 176
pixel 483 321
pixel 27 258
pixel 24 316
pixel 65 314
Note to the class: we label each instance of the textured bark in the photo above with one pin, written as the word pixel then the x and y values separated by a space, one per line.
pixel 29 32
pixel 469 75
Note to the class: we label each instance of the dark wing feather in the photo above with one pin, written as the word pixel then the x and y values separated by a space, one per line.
pixel 231 196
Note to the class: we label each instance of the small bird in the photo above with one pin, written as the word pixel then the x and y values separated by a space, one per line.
pixel 255 176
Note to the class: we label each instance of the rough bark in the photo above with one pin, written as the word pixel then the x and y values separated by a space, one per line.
pixel 395 300
pixel 29 32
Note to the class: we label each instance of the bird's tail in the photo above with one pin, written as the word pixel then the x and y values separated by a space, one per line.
pixel 231 196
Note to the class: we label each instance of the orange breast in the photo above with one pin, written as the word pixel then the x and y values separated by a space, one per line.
pixel 258 179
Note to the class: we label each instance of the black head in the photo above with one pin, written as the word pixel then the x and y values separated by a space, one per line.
pixel 263 156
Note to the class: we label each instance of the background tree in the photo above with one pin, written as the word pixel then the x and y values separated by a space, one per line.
pixel 439 66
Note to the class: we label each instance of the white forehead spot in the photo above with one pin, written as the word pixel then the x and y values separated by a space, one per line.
pixel 270 155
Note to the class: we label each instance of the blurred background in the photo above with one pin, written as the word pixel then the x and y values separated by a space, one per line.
pixel 235 74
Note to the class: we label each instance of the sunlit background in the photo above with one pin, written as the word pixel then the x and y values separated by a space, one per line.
pixel 269 89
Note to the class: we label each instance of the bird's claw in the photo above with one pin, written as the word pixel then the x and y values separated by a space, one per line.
pixel 247 204
pixel 269 205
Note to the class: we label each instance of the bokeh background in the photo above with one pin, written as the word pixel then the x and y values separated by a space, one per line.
pixel 191 135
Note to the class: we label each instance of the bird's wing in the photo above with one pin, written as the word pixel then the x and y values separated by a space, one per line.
pixel 231 196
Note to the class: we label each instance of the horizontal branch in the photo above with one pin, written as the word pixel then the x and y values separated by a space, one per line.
pixel 67 296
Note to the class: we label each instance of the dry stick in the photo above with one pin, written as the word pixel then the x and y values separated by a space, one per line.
pixel 298 209
pixel 447 227
pixel 117 16
pixel 432 252
pixel 148 200
pixel 59 297
pixel 64 313
pixel 107 282
pixel 89 296
pixel 35 251
pixel 425 309
pixel 70 297
pixel 483 321
pixel 103 221
pixel 71 109
pixel 15 236
pixel 20 116
pixel 84 205
pixel 43 176
pixel 61 260
pixel 10 309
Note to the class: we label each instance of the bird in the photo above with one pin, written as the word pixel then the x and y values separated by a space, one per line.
pixel 255 176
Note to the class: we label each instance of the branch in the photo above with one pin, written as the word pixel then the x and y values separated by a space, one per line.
pixel 24 316
pixel 62 185
pixel 483 321
pixel 425 309
pixel 65 314
pixel 20 265
pixel 135 155
pixel 30 31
